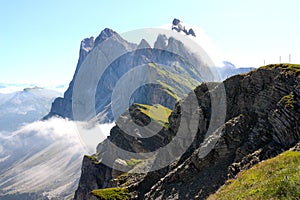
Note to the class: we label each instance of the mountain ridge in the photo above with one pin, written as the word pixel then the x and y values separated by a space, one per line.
pixel 262 120
pixel 167 51
pixel 132 55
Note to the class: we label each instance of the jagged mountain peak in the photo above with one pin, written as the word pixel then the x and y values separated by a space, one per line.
pixel 105 33
pixel 161 42
pixel 175 44
pixel 143 44
pixel 88 43
pixel 170 43
pixel 109 33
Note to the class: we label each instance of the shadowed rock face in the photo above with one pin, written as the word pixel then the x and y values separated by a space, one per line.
pixel 262 120
pixel 94 175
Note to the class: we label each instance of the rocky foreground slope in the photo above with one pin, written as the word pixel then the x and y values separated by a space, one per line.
pixel 262 120
pixel 276 178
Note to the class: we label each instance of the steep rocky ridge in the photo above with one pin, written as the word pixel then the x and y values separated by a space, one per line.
pixel 63 106
pixel 262 120
pixel 276 178
pixel 259 121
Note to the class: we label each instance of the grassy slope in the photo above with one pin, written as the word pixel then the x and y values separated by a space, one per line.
pixel 156 112
pixel 276 178
pixel 294 68
pixel 112 193
pixel 173 83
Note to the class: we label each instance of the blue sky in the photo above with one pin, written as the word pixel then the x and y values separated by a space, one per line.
pixel 40 39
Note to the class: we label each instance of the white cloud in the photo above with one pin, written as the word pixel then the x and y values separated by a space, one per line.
pixel 58 129
pixel 46 155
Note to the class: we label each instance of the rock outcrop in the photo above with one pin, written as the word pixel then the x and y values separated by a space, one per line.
pixel 262 120
pixel 259 124
pixel 94 175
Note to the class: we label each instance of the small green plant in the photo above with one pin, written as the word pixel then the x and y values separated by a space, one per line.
pixel 112 193
pixel 289 100
pixel 122 179
pixel 93 158
pixel 133 162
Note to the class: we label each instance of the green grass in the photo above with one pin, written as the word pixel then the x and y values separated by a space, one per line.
pixel 157 112
pixel 294 68
pixel 122 179
pixel 93 158
pixel 112 193
pixel 133 162
pixel 276 178
pixel 289 100
pixel 174 83
pixel 169 90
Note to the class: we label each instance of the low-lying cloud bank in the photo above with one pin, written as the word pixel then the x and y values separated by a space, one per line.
pixel 45 156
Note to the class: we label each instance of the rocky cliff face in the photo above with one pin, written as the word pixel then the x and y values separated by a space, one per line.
pixel 63 106
pixel 262 120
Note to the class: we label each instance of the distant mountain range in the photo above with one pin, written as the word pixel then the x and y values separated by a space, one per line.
pixel 229 69
pixel 6 88
pixel 24 106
